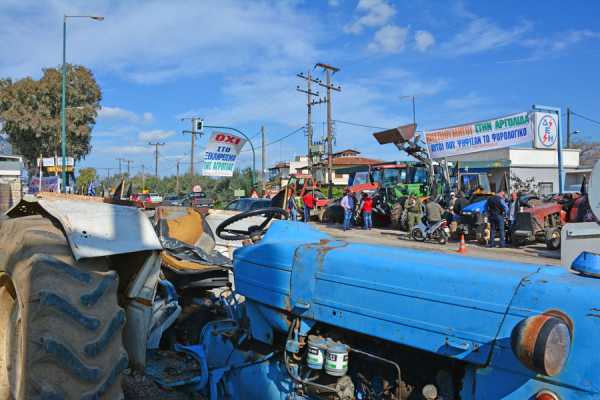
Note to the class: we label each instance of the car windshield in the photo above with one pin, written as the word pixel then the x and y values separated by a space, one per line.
pixel 257 204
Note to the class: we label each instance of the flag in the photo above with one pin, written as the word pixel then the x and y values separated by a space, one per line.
pixel 91 189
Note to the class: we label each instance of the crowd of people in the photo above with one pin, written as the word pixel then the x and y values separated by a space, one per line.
pixel 501 211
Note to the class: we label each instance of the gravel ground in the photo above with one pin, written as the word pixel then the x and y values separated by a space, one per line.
pixel 140 387
pixel 532 254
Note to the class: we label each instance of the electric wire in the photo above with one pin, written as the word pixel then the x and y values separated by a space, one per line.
pixel 586 118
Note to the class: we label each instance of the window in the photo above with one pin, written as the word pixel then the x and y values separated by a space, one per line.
pixel 545 188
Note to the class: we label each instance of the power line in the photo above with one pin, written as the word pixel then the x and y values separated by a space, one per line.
pixel 280 139
pixel 357 124
pixel 586 118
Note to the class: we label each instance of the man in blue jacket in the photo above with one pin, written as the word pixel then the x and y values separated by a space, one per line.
pixel 497 210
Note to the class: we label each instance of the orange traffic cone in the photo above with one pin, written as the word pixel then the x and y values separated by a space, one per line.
pixel 462 248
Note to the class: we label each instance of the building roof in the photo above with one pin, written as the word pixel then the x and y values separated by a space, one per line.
pixel 349 161
pixel 280 164
pixel 345 152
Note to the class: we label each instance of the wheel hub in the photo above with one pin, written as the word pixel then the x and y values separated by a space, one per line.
pixel 11 345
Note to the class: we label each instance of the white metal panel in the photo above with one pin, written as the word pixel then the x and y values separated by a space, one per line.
pixel 97 229
pixel 594 191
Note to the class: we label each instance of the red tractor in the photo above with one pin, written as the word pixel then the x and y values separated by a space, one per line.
pixel 297 186
pixel 541 221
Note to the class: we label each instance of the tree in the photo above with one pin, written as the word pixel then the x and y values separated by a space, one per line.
pixel 30 112
pixel 86 175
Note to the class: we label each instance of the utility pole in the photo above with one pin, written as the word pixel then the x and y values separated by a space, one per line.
pixel 143 178
pixel 128 165
pixel 329 70
pixel 263 158
pixel 177 181
pixel 197 127
pixel 309 104
pixel 120 169
pixel 568 127
pixel 156 156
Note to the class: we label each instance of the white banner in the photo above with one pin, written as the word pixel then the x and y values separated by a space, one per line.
pixel 479 136
pixel 222 152
pixel 49 161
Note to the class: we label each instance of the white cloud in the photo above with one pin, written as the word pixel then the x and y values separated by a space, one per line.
pixel 120 150
pixel 481 34
pixel 424 40
pixel 333 3
pixel 471 100
pixel 374 13
pixel 155 41
pixel 389 39
pixel 118 113
pixel 154 135
pixel 561 41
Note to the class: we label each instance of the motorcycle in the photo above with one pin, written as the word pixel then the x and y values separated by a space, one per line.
pixel 439 232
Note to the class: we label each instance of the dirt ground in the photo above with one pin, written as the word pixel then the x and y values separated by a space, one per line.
pixel 532 254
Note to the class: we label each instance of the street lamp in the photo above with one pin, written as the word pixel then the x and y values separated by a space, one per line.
pixel 63 102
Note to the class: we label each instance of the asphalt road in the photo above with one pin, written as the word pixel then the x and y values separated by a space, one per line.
pixel 533 254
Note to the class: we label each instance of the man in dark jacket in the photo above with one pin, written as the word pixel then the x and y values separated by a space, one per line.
pixel 497 210
pixel 460 203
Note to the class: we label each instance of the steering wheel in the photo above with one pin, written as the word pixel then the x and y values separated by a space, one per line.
pixel 254 231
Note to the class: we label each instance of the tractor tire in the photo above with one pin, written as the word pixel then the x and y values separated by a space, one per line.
pixel 553 239
pixel 60 323
pixel 396 216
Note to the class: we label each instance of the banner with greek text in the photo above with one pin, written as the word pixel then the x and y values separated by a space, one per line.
pixel 479 136
pixel 222 152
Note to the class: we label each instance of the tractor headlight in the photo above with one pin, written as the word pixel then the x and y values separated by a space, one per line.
pixel 543 342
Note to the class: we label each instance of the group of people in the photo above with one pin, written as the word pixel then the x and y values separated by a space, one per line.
pixel 365 207
pixel 306 203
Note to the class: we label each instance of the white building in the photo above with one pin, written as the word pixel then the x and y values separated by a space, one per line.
pixel 505 165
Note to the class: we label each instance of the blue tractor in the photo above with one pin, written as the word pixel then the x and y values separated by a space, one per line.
pixel 305 317
pixel 326 319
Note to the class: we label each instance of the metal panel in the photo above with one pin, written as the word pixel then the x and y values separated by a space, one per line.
pixel 96 229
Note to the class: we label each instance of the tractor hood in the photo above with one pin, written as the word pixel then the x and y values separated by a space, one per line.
pixel 447 304
pixel 476 207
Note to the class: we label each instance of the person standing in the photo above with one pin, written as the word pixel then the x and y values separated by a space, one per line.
pixel 291 206
pixel 413 211
pixel 497 210
pixel 348 206
pixel 512 210
pixel 367 211
pixel 309 204
pixel 254 194
pixel 434 211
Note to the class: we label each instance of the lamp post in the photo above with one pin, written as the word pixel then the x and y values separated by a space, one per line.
pixel 249 141
pixel 63 101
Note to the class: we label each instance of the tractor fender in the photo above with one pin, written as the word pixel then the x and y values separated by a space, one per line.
pixel 92 228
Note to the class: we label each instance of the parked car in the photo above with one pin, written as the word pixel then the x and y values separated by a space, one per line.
pixel 197 200
pixel 247 204
pixel 172 200
pixel 146 200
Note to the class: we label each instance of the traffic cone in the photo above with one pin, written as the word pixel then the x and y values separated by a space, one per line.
pixel 462 248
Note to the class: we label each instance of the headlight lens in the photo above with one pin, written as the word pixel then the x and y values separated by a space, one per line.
pixel 543 342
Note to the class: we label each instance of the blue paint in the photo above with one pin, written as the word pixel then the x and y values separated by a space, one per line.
pixel 92 298
pixel 67 359
pixel 95 348
pixel 587 264
pixel 458 307
pixel 45 261
pixel 110 380
pixel 63 306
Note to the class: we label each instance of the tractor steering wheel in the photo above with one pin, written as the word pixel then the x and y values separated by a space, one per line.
pixel 253 232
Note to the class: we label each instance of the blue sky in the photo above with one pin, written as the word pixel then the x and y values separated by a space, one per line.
pixel 235 63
